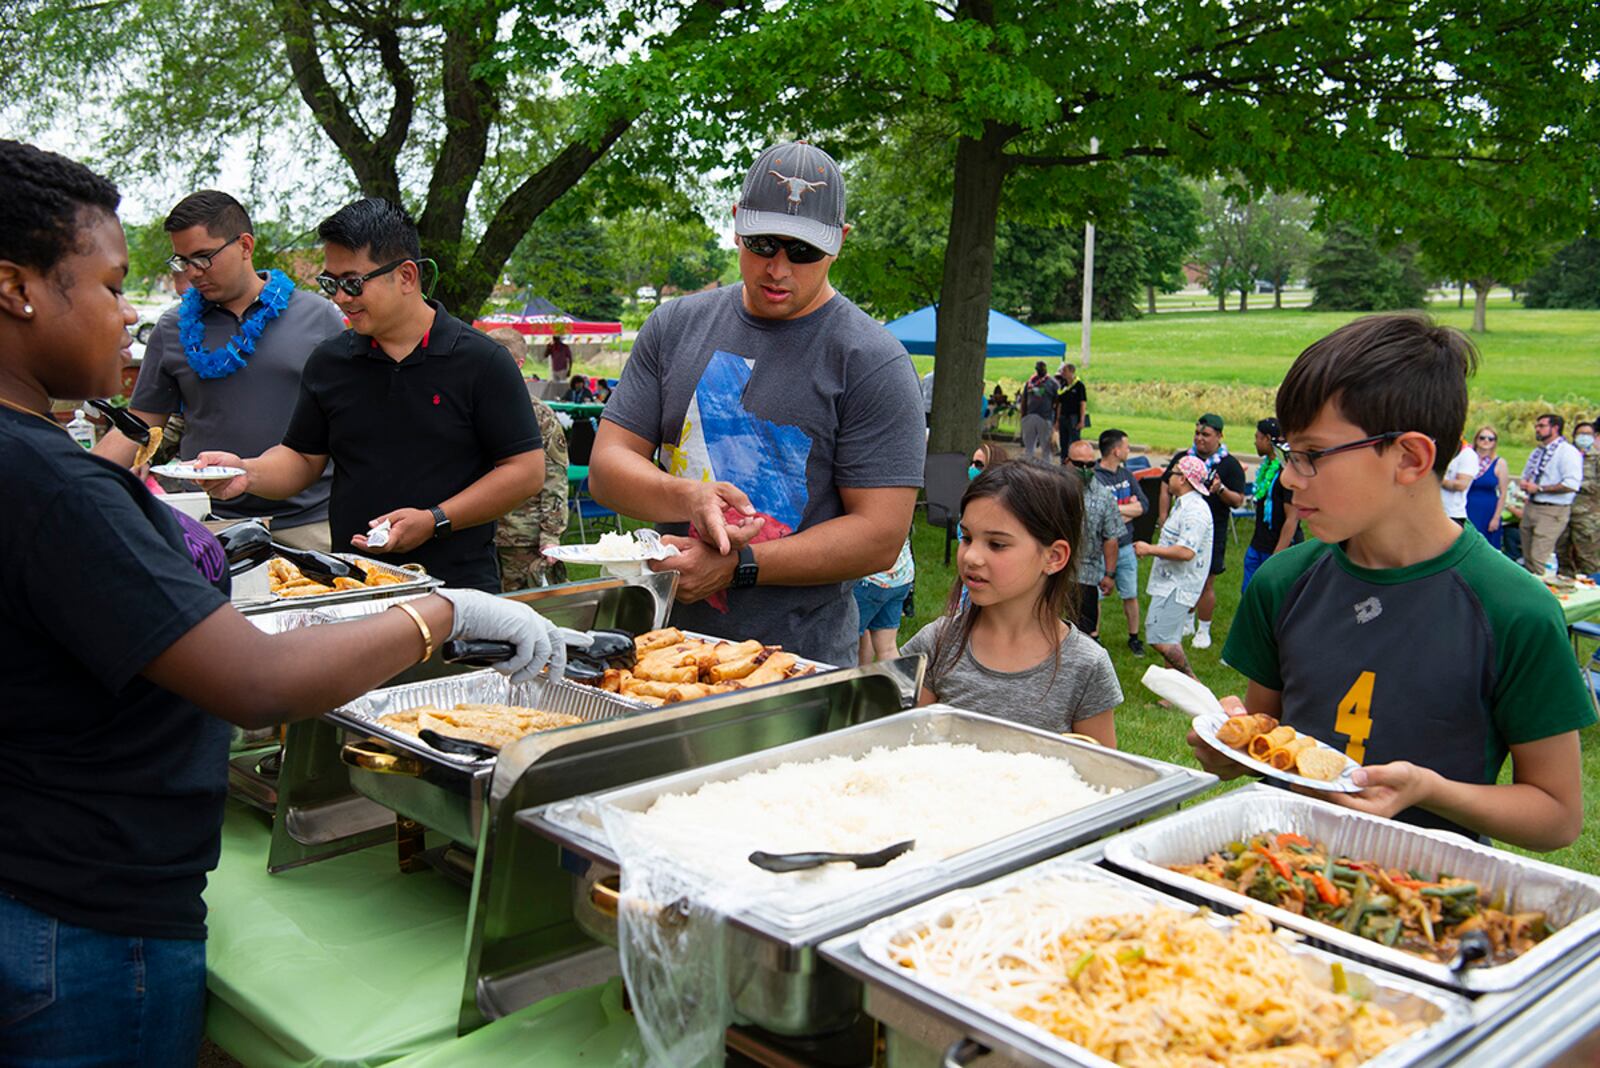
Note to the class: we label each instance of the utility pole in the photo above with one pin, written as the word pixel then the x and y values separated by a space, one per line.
pixel 1088 273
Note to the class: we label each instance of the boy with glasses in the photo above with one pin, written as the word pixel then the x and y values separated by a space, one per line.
pixel 1397 636
pixel 229 359
pixel 771 428
pixel 426 420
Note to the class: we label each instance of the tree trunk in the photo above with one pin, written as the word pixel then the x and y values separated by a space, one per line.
pixel 962 318
pixel 1480 303
pixel 1244 299
pixel 1277 294
pixel 1461 294
pixel 1150 295
pixel 1222 300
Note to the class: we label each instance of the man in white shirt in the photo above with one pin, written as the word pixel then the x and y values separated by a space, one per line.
pixel 1551 479
pixel 1457 478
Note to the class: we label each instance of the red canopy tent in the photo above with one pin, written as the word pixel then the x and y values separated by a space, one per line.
pixel 540 318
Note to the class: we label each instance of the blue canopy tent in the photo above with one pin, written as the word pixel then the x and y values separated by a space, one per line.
pixel 1007 337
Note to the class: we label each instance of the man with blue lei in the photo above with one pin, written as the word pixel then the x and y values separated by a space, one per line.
pixel 228 358
pixel 1225 483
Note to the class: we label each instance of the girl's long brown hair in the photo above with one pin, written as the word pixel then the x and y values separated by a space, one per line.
pixel 1048 502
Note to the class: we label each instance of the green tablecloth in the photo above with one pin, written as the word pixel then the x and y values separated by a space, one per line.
pixel 586 408
pixel 347 962
pixel 1580 605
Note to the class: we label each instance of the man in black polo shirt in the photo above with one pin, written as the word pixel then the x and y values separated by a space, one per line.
pixel 426 420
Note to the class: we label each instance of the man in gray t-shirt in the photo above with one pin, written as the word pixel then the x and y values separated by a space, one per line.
pixel 774 427
pixel 244 409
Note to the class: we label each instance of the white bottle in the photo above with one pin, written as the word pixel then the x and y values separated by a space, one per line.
pixel 81 429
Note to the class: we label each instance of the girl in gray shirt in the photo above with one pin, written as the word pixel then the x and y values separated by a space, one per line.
pixel 1002 648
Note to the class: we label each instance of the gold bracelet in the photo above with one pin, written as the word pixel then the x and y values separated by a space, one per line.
pixel 422 625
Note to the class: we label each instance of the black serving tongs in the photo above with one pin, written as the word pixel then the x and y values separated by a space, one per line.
pixel 585 663
pixel 787 862
pixel 457 746
pixel 130 425
pixel 248 544
pixel 1475 946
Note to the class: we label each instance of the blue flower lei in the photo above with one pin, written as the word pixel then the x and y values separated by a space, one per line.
pixel 222 362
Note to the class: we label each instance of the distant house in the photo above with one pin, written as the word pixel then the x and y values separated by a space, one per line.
pixel 1196 274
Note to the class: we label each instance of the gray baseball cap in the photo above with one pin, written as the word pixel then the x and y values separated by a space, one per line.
pixel 794 190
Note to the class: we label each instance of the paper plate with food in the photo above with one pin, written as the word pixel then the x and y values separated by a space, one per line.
pixel 190 473
pixel 620 554
pixel 1264 745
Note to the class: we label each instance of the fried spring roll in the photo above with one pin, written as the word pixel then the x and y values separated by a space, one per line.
pixel 725 653
pixel 657 639
pixel 687 693
pixel 612 681
pixel 1236 731
pixel 774 670
pixel 1262 744
pixel 733 669
pixel 673 675
pixel 647 688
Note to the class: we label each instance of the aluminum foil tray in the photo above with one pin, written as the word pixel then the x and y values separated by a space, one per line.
pixel 1146 786
pixel 410 582
pixel 558 695
pixel 1447 1014
pixel 278 622
pixel 1569 899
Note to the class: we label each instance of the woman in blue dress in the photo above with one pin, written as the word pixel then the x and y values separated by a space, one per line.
pixel 1486 496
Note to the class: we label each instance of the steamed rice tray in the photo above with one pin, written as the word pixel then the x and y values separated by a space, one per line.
pixel 949 798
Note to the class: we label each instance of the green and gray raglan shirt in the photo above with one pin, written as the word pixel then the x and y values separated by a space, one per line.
pixel 1445 663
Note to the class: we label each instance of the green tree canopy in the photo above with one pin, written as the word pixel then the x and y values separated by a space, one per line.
pixel 1352 271
pixel 1571 278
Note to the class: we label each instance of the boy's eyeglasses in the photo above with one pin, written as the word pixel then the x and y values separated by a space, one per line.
pixel 200 261
pixel 331 284
pixel 1304 461
pixel 766 246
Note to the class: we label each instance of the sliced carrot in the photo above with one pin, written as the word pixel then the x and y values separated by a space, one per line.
pixel 1277 863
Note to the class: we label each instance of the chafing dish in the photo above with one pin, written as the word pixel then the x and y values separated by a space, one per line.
pixel 782 986
pixel 1570 899
pixel 411 579
pixel 921 1017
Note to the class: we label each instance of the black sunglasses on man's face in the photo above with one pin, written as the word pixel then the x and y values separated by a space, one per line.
pixel 331 284
pixel 766 246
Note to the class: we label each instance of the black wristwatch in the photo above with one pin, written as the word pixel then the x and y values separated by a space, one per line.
pixel 744 575
pixel 441 522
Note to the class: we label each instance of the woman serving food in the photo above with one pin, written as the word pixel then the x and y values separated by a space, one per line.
pixel 122 664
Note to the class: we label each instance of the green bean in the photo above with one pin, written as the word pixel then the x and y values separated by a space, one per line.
pixel 1460 890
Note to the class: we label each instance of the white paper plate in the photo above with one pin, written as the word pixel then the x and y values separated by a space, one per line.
pixel 589 554
pixel 1206 727
pixel 197 474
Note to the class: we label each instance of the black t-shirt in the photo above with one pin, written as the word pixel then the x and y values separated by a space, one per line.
pixel 111 788
pixel 413 433
pixel 1231 474
pixel 1072 401
pixel 1270 520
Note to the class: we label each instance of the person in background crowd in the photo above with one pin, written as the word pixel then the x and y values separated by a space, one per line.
pixel 1002 648
pixel 998 401
pixel 1224 492
pixel 778 498
pixel 1578 553
pixel 1038 402
pixel 1550 479
pixel 1102 526
pixel 985 456
pixel 524 533
pixel 1276 525
pixel 880 602
pixel 114 723
pixel 1112 472
pixel 1072 404
pixel 454 444
pixel 1182 565
pixel 1486 495
pixel 1511 522
pixel 1457 480
pixel 223 366
pixel 578 391
pixel 559 353
pixel 927 398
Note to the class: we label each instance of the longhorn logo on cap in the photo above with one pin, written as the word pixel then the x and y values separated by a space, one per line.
pixel 798 187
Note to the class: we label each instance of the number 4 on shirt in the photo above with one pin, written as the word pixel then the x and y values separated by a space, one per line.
pixel 1355 716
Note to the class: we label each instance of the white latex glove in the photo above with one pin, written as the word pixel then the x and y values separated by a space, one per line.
pixel 485 617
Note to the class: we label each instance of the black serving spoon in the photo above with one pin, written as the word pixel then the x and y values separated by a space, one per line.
pixel 457 746
pixel 1475 946
pixel 130 425
pixel 783 862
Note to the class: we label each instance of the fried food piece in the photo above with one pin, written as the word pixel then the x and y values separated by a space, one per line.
pixel 724 653
pixel 303 589
pixel 405 721
pixel 493 724
pixel 148 450
pixel 1324 765
pixel 776 669
pixel 282 572
pixel 637 687
pixel 613 679
pixel 689 692
pixel 736 669
pixel 377 578
pixel 346 583
pixel 1237 731
pixel 1262 744
pixel 657 639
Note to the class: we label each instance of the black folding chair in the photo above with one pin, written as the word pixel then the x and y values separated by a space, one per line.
pixel 944 480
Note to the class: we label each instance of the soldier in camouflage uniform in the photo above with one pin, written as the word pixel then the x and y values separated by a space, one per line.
pixel 1578 551
pixel 521 536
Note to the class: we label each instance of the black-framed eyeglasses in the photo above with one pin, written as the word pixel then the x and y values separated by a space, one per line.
pixel 331 284
pixel 200 261
pixel 766 246
pixel 1304 461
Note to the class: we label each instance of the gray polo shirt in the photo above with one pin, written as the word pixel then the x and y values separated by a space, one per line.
pixel 247 412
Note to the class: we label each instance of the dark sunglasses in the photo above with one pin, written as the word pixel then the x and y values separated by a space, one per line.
pixel 979 464
pixel 766 246
pixel 331 284
pixel 200 261
pixel 1083 465
pixel 1487 437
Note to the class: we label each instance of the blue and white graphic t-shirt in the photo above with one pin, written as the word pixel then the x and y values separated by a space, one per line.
pixel 790 411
